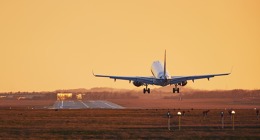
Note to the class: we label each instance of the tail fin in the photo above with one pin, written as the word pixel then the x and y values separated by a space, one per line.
pixel 165 64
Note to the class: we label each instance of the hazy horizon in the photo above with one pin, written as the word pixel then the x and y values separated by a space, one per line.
pixel 154 90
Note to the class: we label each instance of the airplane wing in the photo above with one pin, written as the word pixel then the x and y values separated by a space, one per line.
pixel 178 79
pixel 146 80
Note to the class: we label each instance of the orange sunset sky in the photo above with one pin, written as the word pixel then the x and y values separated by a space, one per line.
pixel 55 44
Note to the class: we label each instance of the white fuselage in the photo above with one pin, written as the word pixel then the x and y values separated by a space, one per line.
pixel 158 71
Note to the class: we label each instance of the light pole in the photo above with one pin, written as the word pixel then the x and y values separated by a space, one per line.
pixel 169 121
pixel 257 114
pixel 233 118
pixel 179 115
pixel 222 119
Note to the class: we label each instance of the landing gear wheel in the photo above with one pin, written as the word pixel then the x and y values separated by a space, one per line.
pixel 144 90
pixel 148 90
pixel 174 90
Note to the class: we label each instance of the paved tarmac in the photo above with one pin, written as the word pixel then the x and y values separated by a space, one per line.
pixel 78 104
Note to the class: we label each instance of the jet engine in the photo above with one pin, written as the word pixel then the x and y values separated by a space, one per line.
pixel 183 83
pixel 137 83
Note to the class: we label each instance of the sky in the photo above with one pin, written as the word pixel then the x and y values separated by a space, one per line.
pixel 56 44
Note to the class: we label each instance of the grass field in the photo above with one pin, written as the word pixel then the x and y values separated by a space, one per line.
pixel 144 117
pixel 125 124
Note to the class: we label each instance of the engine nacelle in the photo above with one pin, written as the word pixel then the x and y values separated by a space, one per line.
pixel 137 83
pixel 183 83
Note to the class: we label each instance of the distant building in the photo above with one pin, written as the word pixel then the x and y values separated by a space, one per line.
pixel 79 96
pixel 2 97
pixel 64 96
pixel 21 98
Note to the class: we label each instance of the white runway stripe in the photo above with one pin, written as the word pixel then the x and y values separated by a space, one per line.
pixel 84 104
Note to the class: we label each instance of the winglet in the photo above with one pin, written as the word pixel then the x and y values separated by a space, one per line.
pixel 93 73
pixel 231 70
pixel 165 63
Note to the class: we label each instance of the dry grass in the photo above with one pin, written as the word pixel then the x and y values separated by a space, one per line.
pixel 144 118
pixel 124 124
pixel 25 104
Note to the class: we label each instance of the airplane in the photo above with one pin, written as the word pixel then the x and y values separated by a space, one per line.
pixel 160 77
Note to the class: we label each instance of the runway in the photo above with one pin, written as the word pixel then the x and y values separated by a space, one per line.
pixel 78 104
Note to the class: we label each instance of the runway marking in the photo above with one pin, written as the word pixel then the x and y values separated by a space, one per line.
pixel 84 104
pixel 109 105
pixel 61 104
pixel 79 104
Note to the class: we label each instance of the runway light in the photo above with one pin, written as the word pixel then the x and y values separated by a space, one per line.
pixel 179 115
pixel 233 118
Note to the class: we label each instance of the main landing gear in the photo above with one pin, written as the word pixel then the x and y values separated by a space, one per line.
pixel 176 89
pixel 146 89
